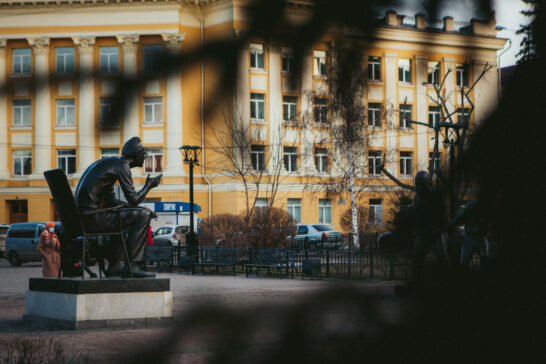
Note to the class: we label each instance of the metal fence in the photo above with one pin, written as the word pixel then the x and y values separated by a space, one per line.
pixel 330 259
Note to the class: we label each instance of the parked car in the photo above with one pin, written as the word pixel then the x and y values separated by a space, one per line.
pixel 170 235
pixel 3 232
pixel 317 235
pixel 22 242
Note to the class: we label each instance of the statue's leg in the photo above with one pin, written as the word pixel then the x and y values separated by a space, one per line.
pixel 137 221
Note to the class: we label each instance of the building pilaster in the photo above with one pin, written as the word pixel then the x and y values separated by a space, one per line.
pixel 42 111
pixel 129 45
pixel 421 112
pixel 4 170
pixel 391 81
pixel 86 115
pixel 275 108
pixel 174 111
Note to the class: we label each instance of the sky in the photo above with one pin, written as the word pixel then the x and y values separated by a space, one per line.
pixel 507 13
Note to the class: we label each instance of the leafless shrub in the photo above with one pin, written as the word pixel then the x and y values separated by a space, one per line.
pixel 270 227
pixel 25 350
pixel 222 229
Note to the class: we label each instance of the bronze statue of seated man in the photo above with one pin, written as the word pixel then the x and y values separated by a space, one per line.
pixel 95 191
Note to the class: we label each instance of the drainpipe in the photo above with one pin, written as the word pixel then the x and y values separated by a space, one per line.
pixel 498 63
pixel 209 183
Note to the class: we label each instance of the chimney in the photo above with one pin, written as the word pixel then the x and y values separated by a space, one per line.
pixel 420 21
pixel 392 18
pixel 448 24
pixel 488 27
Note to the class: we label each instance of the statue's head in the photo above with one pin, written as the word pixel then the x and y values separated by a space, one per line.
pixel 422 182
pixel 134 151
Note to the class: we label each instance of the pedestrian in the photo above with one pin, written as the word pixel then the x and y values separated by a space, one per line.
pixel 50 249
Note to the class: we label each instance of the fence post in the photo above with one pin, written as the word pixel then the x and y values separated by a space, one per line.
pixel 305 247
pixel 327 262
pixel 371 261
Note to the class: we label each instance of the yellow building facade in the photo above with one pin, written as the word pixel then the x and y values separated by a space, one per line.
pixel 60 64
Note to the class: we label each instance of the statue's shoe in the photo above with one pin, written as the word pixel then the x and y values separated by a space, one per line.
pixel 137 272
pixel 113 271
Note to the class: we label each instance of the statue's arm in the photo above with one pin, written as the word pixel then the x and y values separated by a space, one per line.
pixel 396 180
pixel 126 183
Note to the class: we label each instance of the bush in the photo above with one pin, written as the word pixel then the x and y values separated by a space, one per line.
pixel 24 350
pixel 402 224
pixel 270 228
pixel 222 229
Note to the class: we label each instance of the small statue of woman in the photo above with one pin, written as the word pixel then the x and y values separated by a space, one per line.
pixel 50 249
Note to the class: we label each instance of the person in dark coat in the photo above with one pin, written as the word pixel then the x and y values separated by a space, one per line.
pixel 50 250
pixel 95 191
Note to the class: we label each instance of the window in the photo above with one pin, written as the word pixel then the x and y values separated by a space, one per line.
pixel 374 114
pixel 108 59
pixel 153 110
pixel 261 202
pixel 320 110
pixel 289 108
pixel 66 112
pixel 375 215
pixel 433 116
pixel 257 157
pixel 463 115
pixel 21 112
pixel 434 73
pixel 437 163
pixel 405 116
pixel 64 60
pixel 406 163
pixel 257 106
pixel 107 114
pixel 294 208
pixel 66 160
pixel 22 162
pixel 150 58
pixel 290 159
pixel 404 70
pixel 20 61
pixel 319 63
pixel 325 211
pixel 154 160
pixel 374 68
pixel 287 60
pixel 321 160
pixel 257 56
pixel 109 152
pixel 374 161
pixel 462 75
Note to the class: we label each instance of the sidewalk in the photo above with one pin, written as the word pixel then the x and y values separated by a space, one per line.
pixel 189 292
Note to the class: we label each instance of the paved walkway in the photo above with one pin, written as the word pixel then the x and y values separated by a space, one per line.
pixel 189 293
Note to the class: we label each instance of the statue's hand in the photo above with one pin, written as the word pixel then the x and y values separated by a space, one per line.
pixel 152 182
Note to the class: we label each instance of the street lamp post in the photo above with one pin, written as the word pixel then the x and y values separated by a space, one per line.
pixel 191 158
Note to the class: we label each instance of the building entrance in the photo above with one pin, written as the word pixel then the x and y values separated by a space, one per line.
pixel 18 211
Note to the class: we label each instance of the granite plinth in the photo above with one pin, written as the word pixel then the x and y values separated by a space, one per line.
pixel 81 304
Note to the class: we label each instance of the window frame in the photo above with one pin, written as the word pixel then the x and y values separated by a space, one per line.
pixel 374 68
pixel 24 160
pixel 375 211
pixel 257 53
pixel 406 162
pixel 374 160
pixel 325 205
pixel 21 111
pixel 109 121
pixel 404 123
pixel 255 105
pixel 67 155
pixel 434 114
pixel 65 57
pixel 321 155
pixel 463 113
pixel 149 57
pixel 289 107
pixel 18 60
pixel 433 72
pixel 108 68
pixel 290 158
pixel 462 75
pixel 288 56
pixel 152 154
pixel 66 109
pixel 437 162
pixel 257 157
pixel 319 109
pixel 374 109
pixel 154 105
pixel 320 63
pixel 110 154
pixel 405 75
pixel 293 207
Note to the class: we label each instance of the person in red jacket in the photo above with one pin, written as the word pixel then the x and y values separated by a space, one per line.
pixel 50 249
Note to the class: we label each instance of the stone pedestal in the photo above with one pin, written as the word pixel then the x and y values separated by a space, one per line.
pixel 99 303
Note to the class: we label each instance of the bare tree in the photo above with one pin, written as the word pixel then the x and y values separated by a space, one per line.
pixel 242 155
